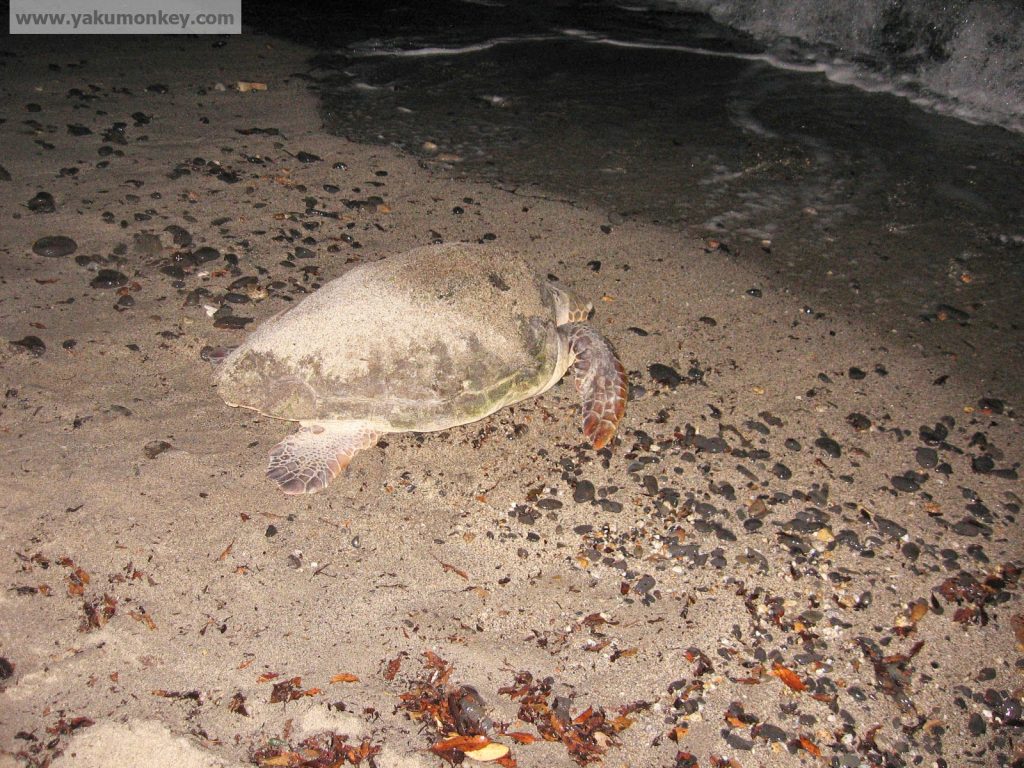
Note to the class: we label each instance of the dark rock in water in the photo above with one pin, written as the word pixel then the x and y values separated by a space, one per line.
pixel 665 374
pixel 109 278
pixel 829 446
pixel 43 202
pixel 584 492
pixel 180 235
pixel 31 344
pixel 54 246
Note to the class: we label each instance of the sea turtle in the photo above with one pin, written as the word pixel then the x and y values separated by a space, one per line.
pixel 436 337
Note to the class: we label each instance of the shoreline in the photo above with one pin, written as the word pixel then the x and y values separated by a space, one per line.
pixel 478 544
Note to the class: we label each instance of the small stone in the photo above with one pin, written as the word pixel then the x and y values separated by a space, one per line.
pixel 665 374
pixel 856 374
pixel 829 446
pixel 43 202
pixel 926 457
pixel 154 448
pixel 109 278
pixel 232 322
pixel 983 464
pixel 308 157
pixel 859 422
pixel 205 254
pixel 904 483
pixel 31 344
pixel 179 235
pixel 54 246
pixel 583 492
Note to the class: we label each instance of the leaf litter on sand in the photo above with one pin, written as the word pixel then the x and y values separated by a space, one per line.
pixel 459 715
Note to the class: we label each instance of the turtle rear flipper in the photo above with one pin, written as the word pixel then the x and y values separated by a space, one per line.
pixel 307 461
pixel 599 378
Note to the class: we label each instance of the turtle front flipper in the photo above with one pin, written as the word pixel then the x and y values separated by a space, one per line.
pixel 600 379
pixel 309 460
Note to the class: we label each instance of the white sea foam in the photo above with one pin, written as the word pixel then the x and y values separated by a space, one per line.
pixel 959 57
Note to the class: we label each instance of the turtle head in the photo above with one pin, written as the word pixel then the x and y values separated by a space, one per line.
pixel 568 308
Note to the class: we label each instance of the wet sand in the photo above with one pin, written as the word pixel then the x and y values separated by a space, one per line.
pixel 803 542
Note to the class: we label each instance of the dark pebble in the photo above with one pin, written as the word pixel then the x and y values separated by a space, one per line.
pixel 180 236
pixel 31 344
pixel 232 322
pixel 781 471
pixel 173 270
pixel 859 422
pixel 769 732
pixel 583 492
pixel 43 202
pixel 926 457
pixel 154 448
pixel 271 531
pixel 856 374
pixel 792 445
pixel 665 374
pixel 205 254
pixel 125 302
pixel 754 293
pixel 549 504
pixel 911 550
pixel 308 157
pixel 109 278
pixel 976 725
pixel 736 741
pixel 933 435
pixel 157 88
pixel 904 483
pixel 594 266
pixel 54 246
pixel 710 444
pixel 890 528
pixel 829 446
pixel 971 528
pixel 638 331
pixel 991 404
pixel 983 464
pixel 5 175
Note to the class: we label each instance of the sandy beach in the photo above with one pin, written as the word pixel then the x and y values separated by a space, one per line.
pixel 803 548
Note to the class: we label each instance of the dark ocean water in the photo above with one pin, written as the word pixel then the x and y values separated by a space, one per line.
pixel 834 163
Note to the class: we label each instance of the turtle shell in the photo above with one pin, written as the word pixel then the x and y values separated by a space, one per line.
pixel 438 336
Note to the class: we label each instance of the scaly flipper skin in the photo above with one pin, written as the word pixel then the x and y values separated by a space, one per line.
pixel 309 460
pixel 600 379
